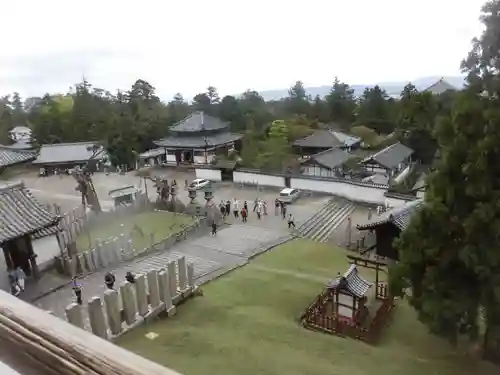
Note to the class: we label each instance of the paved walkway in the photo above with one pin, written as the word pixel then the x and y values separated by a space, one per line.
pixel 211 256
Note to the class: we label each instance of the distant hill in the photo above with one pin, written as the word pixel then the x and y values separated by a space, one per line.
pixel 392 88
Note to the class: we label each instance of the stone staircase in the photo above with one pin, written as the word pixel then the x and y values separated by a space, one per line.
pixel 320 225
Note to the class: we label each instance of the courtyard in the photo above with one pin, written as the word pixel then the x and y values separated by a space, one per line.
pixel 247 323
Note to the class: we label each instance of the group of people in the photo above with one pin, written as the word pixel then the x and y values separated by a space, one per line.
pixel 17 280
pixel 109 281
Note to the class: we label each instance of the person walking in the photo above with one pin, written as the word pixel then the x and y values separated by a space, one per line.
pixel 109 280
pixel 235 208
pixel 77 290
pixel 259 210
pixel 228 207
pixel 244 213
pixel 277 206
pixel 14 288
pixel 291 221
pixel 222 208
pixel 214 228
pixel 255 204
pixel 283 210
pixel 245 206
pixel 264 207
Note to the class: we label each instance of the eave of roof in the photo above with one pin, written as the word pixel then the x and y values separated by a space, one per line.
pixel 399 216
pixel 10 156
pixel 391 156
pixel 354 283
pixel 198 141
pixel 331 158
pixel 75 155
pixel 21 213
pixel 327 138
pixel 198 122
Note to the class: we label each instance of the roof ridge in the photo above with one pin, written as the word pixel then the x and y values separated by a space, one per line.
pixel 11 186
pixel 72 143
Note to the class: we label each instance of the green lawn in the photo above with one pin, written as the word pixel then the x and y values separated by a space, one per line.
pixel 247 323
pixel 159 223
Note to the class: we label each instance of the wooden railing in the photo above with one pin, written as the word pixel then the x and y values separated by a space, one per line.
pixel 49 345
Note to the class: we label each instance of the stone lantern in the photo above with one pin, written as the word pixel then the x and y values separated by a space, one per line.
pixel 209 194
pixel 192 194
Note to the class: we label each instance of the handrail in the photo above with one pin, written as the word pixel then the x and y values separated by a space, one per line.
pixel 57 347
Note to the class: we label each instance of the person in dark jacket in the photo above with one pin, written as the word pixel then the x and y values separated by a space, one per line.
pixel 130 277
pixel 77 289
pixel 109 280
pixel 214 228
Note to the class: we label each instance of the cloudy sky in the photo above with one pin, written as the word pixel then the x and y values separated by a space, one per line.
pixel 184 46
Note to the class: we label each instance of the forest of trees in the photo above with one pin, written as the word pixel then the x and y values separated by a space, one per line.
pixel 128 122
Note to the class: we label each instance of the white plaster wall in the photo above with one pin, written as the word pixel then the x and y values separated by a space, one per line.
pixel 208 174
pixel 171 158
pixel 200 159
pixel 260 179
pixel 420 194
pixel 358 193
pixel 46 249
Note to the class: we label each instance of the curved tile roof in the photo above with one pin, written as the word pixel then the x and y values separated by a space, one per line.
pixel 199 122
pixel 10 156
pixel 21 213
pixel 399 216
pixel 352 282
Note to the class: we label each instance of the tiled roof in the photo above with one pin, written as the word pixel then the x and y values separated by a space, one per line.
pixel 390 157
pixel 60 153
pixel 331 158
pixel 199 122
pixel 212 140
pixel 352 282
pixel 440 87
pixel 21 213
pixel 49 231
pixel 326 138
pixel 152 153
pixel 10 156
pixel 399 216
pixel 421 182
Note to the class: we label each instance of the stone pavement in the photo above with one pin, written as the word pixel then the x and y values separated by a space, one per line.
pixel 211 256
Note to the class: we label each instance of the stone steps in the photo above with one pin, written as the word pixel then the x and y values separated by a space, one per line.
pixel 319 226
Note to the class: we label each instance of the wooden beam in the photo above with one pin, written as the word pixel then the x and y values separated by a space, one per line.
pixel 53 346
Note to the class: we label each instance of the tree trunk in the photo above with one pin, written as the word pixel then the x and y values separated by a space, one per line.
pixel 492 336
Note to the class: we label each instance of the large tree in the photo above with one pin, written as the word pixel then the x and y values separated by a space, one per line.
pixel 374 110
pixel 450 254
pixel 341 103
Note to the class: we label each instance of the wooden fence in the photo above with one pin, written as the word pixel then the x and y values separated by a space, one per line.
pixel 157 292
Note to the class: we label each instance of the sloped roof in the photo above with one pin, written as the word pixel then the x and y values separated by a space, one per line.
pixel 21 213
pixel 152 153
pixel 440 87
pixel 199 122
pixel 327 138
pixel 391 156
pixel 60 153
pixel 352 282
pixel 211 140
pixel 421 182
pixel 399 216
pixel 331 158
pixel 10 156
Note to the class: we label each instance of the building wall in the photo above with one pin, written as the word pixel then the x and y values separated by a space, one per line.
pixel 317 170
pixel 402 175
pixel 355 191
pixel 208 174
pixel 258 179
pixel 199 157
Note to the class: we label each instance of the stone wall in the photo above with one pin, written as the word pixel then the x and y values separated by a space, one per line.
pixel 118 311
pixel 115 250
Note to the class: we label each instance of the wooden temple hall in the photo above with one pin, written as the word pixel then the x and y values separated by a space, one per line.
pixel 193 140
pixel 351 306
pixel 22 217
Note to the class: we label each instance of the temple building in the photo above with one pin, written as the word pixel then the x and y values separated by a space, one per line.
pixel 194 140
pixel 440 87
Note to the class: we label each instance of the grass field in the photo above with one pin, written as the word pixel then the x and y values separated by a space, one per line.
pixel 247 323
pixel 159 223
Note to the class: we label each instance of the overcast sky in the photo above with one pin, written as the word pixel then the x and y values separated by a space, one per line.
pixel 184 46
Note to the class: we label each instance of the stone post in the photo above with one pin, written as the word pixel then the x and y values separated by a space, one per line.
pixel 88 261
pixel 141 295
pixel 165 296
pixel 128 302
pixel 370 213
pixel 96 316
pixel 74 315
pixel 190 275
pixel 95 258
pixel 81 264
pixel 112 302
pixel 103 259
pixel 172 275
pixel 154 292
pixel 181 262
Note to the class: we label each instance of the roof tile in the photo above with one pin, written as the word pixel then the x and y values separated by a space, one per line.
pixel 391 156
pixel 10 156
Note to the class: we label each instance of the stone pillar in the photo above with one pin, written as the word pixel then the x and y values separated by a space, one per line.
pixel 88 261
pixel 181 263
pixel 111 299
pixel 165 296
pixel 190 275
pixel 154 292
pixel 96 316
pixel 81 264
pixel 128 302
pixel 172 275
pixel 74 315
pixel 141 295
pixel 103 260
pixel 95 259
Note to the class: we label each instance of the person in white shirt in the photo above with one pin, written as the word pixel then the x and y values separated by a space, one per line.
pixel 291 221
pixel 236 207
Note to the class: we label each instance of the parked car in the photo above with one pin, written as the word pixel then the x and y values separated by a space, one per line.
pixel 288 195
pixel 199 183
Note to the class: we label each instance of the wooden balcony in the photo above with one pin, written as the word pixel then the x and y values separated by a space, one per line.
pixel 33 341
